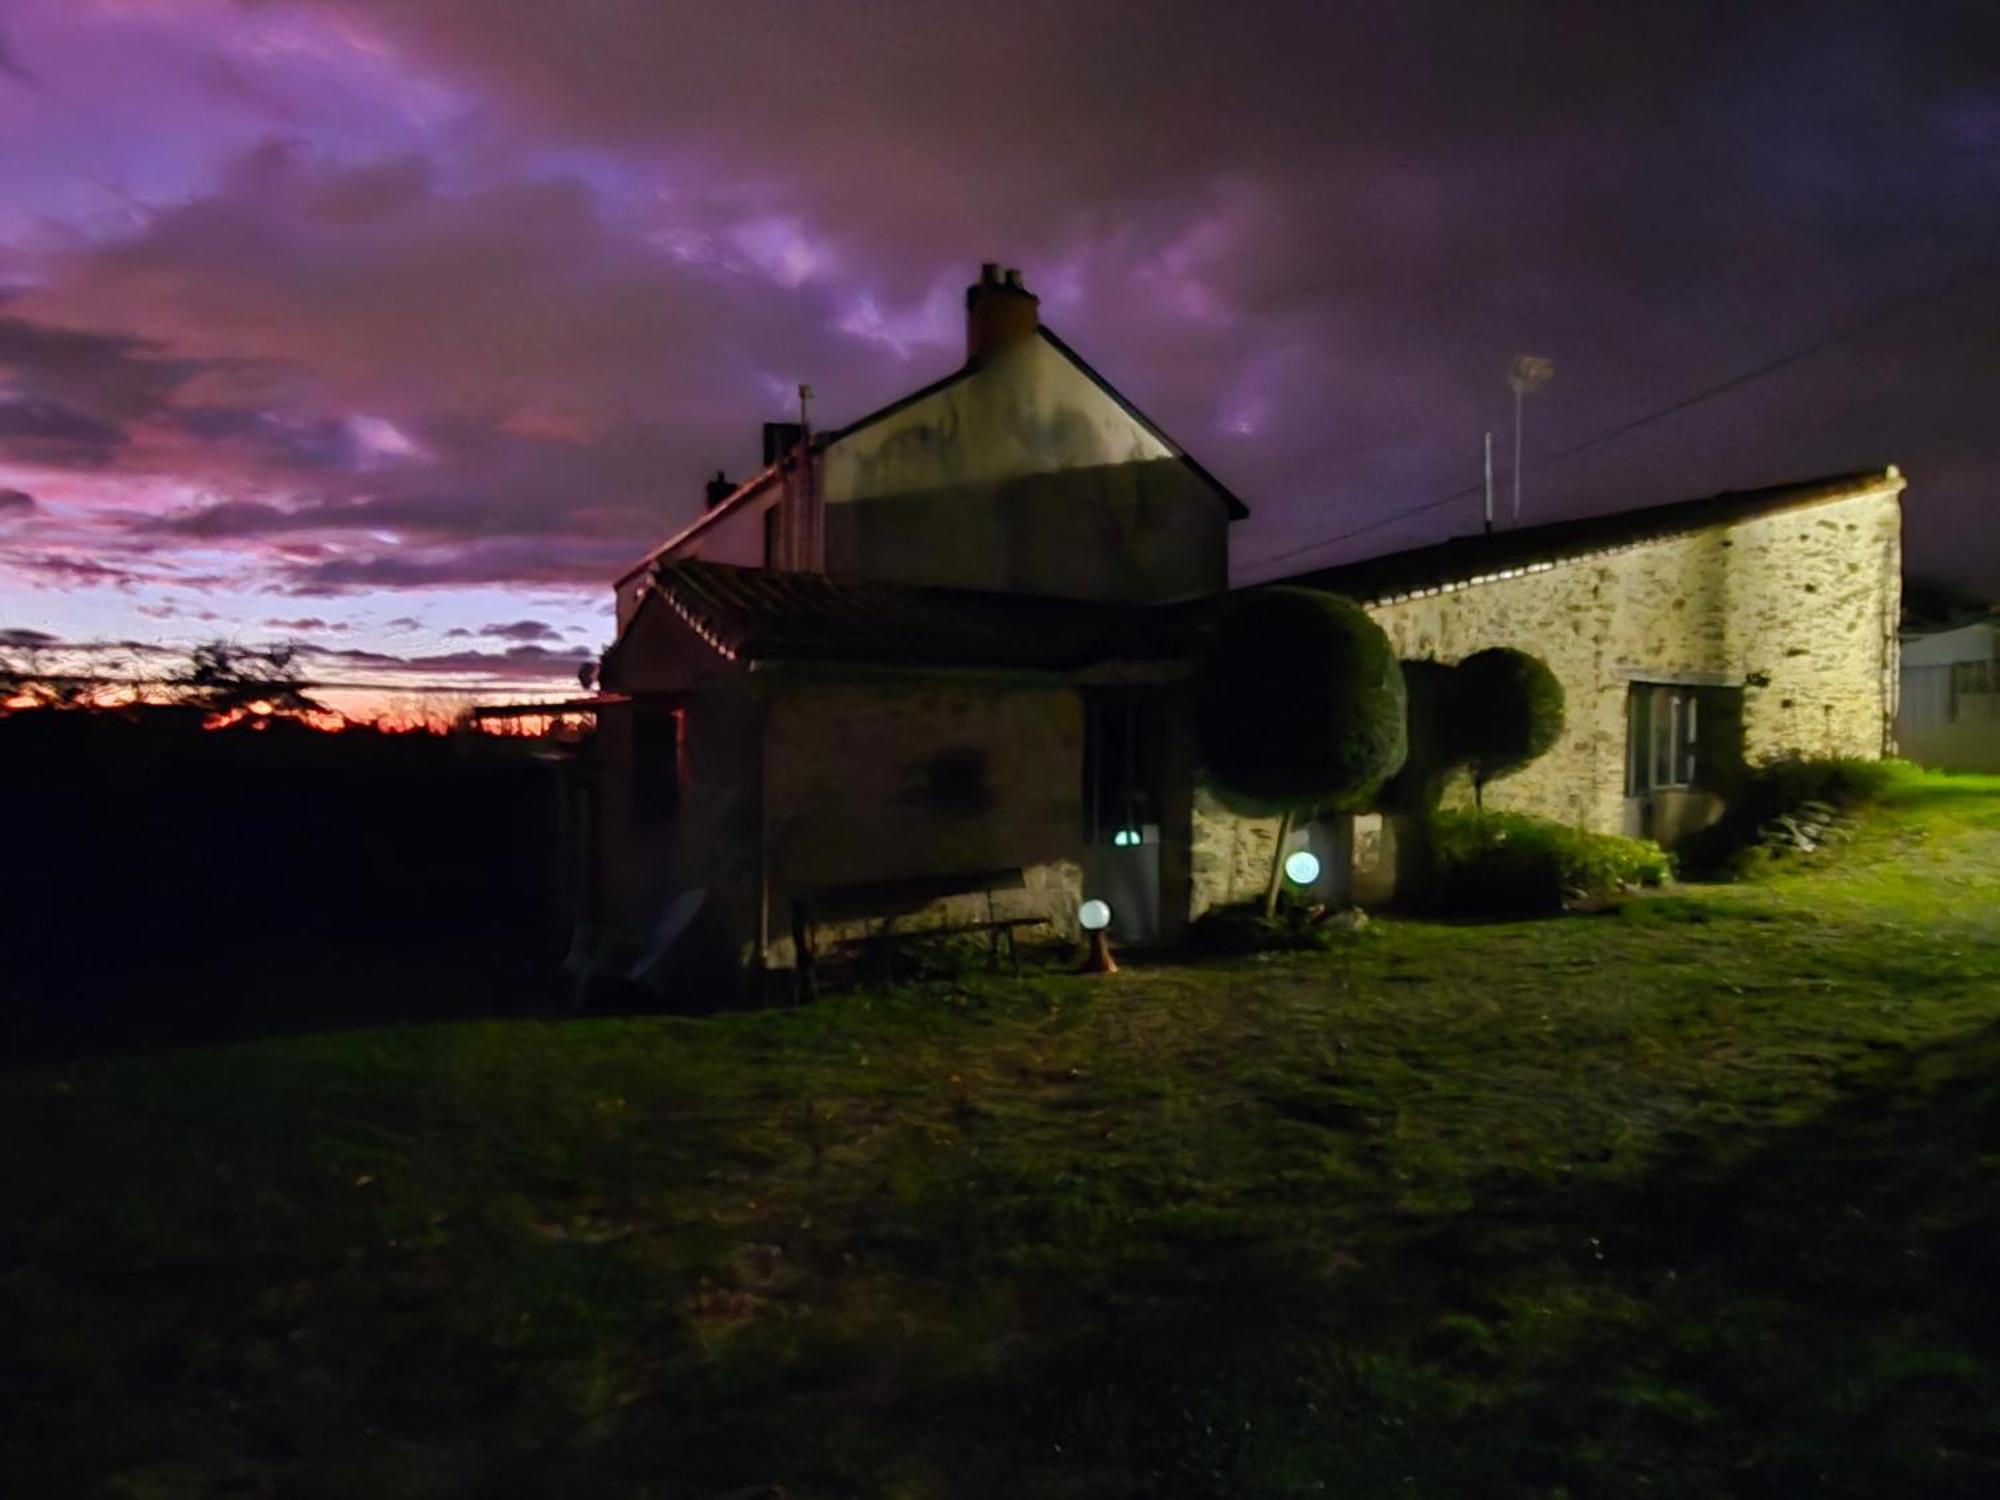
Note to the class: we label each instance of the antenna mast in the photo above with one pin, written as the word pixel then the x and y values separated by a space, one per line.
pixel 1489 483
pixel 808 540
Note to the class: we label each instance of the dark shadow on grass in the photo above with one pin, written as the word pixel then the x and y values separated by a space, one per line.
pixel 1810 1310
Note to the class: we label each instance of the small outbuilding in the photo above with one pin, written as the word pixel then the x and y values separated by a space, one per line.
pixel 1949 714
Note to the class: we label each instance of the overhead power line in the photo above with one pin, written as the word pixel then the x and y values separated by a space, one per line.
pixel 1883 313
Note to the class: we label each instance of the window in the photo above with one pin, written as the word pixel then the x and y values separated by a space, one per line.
pixel 1662 733
pixel 1121 751
pixel 1974 686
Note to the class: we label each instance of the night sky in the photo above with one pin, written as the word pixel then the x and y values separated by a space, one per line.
pixel 400 327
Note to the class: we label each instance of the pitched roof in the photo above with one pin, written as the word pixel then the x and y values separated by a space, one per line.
pixel 1468 559
pixel 734 500
pixel 763 615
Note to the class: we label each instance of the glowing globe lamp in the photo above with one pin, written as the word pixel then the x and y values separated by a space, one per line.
pixel 1095 916
pixel 1302 867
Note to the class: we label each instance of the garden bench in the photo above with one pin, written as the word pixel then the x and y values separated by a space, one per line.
pixel 885 901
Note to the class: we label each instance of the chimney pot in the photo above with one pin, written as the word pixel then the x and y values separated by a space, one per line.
pixel 989 271
pixel 720 488
pixel 1014 278
pixel 780 438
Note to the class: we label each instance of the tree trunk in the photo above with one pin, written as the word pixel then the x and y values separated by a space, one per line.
pixel 1277 865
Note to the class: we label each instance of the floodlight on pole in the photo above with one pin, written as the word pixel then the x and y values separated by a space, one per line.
pixel 1528 374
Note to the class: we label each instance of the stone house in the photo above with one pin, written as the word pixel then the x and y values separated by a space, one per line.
pixel 928 668
pixel 919 668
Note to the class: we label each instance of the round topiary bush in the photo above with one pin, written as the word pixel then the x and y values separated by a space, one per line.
pixel 1433 752
pixel 1298 703
pixel 1507 709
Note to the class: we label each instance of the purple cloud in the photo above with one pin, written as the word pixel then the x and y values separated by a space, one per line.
pixel 513 284
pixel 11 69
pixel 522 630
pixel 46 434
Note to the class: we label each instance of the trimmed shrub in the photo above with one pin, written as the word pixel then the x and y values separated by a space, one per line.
pixel 1506 709
pixel 1431 755
pixel 1508 865
pixel 1298 708
pixel 1298 704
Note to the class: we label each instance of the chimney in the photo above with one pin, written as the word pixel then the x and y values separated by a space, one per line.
pixel 780 440
pixel 720 488
pixel 999 313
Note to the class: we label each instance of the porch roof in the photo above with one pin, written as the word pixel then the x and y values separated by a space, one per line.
pixel 765 615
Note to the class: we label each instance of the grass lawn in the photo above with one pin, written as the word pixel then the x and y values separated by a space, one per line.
pixel 1697 1198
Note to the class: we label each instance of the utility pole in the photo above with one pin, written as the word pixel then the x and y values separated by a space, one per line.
pixel 1528 374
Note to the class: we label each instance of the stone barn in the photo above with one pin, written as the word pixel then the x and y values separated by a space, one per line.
pixel 929 669
pixel 1688 638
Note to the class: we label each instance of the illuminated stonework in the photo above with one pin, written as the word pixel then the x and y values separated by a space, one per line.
pixel 1797 608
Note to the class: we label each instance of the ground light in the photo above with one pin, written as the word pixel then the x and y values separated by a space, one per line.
pixel 1094 916
pixel 1302 867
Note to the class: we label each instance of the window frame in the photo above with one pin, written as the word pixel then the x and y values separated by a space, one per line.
pixel 1662 738
pixel 1971 679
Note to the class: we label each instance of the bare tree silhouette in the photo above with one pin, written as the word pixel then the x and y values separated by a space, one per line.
pixel 222 678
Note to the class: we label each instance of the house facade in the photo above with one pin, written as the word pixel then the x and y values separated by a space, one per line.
pixel 929 668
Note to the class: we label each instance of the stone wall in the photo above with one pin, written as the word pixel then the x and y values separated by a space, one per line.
pixel 1797 608
pixel 1230 855
pixel 876 781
